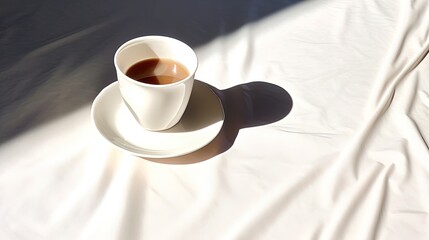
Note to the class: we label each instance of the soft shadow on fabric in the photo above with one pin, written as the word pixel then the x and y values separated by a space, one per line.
pixel 61 67
pixel 245 105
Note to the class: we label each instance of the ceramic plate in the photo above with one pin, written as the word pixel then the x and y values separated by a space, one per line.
pixel 200 124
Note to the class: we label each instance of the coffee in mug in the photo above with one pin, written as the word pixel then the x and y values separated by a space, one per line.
pixel 157 71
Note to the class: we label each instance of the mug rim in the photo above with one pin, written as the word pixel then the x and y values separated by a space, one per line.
pixel 149 38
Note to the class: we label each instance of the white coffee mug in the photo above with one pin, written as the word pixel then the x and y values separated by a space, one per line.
pixel 155 107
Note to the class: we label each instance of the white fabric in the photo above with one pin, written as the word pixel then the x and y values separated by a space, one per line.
pixel 350 161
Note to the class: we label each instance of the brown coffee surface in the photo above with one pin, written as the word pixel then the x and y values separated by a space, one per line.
pixel 157 71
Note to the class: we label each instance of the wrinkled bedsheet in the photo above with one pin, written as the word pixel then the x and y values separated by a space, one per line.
pixel 325 136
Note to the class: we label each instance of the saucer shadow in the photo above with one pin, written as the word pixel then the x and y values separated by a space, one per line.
pixel 203 110
pixel 245 105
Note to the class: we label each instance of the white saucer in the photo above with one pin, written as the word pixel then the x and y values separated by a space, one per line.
pixel 200 124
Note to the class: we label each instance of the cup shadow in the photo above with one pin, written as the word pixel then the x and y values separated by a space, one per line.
pixel 245 105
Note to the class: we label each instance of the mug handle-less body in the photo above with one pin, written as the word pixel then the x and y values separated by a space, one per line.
pixel 157 108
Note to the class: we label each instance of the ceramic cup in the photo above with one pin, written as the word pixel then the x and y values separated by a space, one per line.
pixel 155 107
